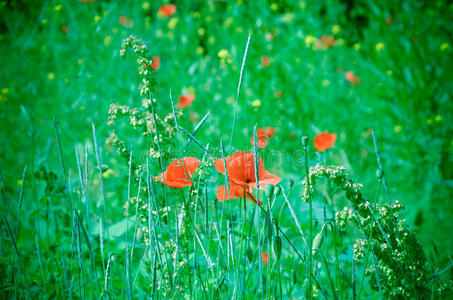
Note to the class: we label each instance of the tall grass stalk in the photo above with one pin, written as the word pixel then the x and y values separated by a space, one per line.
pixel 310 254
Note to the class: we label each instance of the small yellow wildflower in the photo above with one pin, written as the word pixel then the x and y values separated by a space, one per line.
pixel 379 46
pixel 107 40
pixel 325 82
pixel 315 291
pixel 444 46
pixel 302 4
pixel 200 50
pixel 51 76
pixel 228 22
pixel 239 29
pixel 336 29
pixel 397 128
pixel 274 6
pixel 223 54
pixel 5 91
pixel 57 7
pixel 310 41
pixel 211 40
pixel 438 118
pixel 145 5
pixel 107 173
pixel 389 72
pixel 201 31
pixel 288 18
pixel 20 182
pixel 172 23
pixel 256 103
pixel 97 19
pixel 43 21
pixel 356 46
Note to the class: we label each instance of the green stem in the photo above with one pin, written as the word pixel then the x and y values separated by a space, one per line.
pixel 310 253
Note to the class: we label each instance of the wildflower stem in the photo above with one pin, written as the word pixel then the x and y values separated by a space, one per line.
pixel 310 254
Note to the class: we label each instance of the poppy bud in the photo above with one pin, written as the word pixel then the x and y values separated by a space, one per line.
pixel 269 190
pixel 277 191
pixel 317 242
pixel 278 246
pixel 305 141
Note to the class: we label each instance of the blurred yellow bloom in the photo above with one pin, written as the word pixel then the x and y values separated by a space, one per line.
pixel 239 29
pixel 80 61
pixel 228 22
pixel 397 128
pixel 211 40
pixel 288 18
pixel 315 291
pixel 20 182
pixel 356 46
pixel 339 42
pixel 438 118
pixel 274 6
pixel 172 23
pixel 302 4
pixel 57 7
pixel 230 100
pixel 389 72
pixel 223 54
pixel 325 82
pixel 145 5
pixel 336 29
pixel 43 21
pixel 97 19
pixel 379 46
pixel 201 31
pixel 51 76
pixel 159 33
pixel 107 173
pixel 5 91
pixel 200 50
pixel 196 15
pixel 256 103
pixel 444 46
pixel 310 41
pixel 107 40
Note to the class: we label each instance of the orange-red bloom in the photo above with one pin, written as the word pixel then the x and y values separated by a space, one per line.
pixel 185 100
pixel 241 175
pixel 263 135
pixel 126 22
pixel 86 1
pixel 179 172
pixel 327 40
pixel 168 10
pixel 65 29
pixel 324 141
pixel 265 61
pixel 352 78
pixel 265 257
pixel 156 63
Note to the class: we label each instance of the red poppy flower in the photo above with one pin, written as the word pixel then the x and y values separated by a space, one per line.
pixel 265 257
pixel 64 29
pixel 178 174
pixel 264 61
pixel 185 100
pixel 126 22
pixel 86 1
pixel 324 141
pixel 156 63
pixel 168 10
pixel 241 174
pixel 327 40
pixel 388 20
pixel 352 78
pixel 263 135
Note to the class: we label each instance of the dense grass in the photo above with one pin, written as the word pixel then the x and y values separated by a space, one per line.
pixel 402 53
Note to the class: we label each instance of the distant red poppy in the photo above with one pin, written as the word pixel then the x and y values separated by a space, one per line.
pixel 263 135
pixel 265 257
pixel 352 78
pixel 178 174
pixel 126 22
pixel 86 1
pixel 185 100
pixel 278 94
pixel 324 141
pixel 264 61
pixel 168 10
pixel 156 63
pixel 327 40
pixel 388 20
pixel 242 178
pixel 64 29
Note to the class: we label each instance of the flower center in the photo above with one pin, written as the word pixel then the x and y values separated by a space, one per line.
pixel 248 180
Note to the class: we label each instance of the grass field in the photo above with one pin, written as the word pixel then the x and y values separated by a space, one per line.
pixel 83 217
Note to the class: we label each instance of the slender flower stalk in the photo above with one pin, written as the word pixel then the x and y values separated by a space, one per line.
pixel 310 253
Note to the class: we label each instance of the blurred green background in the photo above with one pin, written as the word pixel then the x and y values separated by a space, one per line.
pixel 60 59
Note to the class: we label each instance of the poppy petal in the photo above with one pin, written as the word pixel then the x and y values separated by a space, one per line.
pixel 269 178
pixel 178 174
pixel 234 191
pixel 324 141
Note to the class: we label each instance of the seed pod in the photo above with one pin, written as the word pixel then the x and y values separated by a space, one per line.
pixel 277 190
pixel 305 141
pixel 269 190
pixel 317 242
